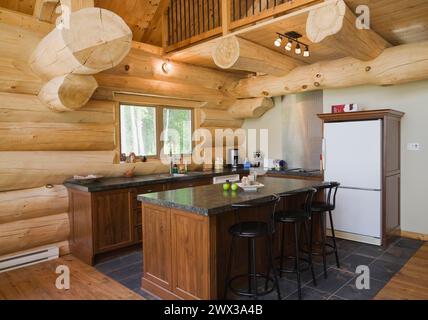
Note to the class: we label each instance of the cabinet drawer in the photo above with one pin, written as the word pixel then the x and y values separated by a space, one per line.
pixel 189 184
pixel 142 190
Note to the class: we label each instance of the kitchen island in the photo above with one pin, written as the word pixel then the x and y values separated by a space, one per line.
pixel 186 239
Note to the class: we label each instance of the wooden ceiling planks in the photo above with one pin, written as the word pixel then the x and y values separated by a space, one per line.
pixel 399 22
pixel 24 6
pixel 138 14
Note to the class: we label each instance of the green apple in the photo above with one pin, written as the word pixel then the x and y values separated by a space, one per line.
pixel 234 187
pixel 226 186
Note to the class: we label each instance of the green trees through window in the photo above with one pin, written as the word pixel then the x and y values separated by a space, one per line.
pixel 139 132
pixel 180 121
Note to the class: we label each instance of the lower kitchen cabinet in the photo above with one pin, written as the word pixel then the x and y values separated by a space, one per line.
pixel 113 220
pixel 100 222
pixel 105 221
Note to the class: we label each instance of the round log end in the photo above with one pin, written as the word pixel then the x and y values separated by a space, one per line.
pixel 99 39
pixel 226 52
pixel 325 21
pixel 68 93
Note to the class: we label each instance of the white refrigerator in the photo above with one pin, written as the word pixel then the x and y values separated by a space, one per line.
pixel 353 157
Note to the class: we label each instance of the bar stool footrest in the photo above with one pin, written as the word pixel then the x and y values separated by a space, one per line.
pixel 252 294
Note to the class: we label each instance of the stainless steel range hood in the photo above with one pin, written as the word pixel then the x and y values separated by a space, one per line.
pixel 302 130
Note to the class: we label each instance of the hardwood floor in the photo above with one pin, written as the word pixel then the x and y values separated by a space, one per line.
pixel 37 282
pixel 411 282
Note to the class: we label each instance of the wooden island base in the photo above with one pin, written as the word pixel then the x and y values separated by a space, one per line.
pixel 185 254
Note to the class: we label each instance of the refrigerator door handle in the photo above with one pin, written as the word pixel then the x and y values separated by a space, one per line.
pixel 324 154
pixel 363 189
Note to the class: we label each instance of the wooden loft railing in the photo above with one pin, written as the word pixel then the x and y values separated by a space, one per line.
pixel 190 21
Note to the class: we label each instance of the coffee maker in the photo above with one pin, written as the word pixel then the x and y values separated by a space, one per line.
pixel 233 158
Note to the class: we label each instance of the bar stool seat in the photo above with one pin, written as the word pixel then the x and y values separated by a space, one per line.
pixel 291 216
pixel 297 218
pixel 318 206
pixel 250 229
pixel 321 209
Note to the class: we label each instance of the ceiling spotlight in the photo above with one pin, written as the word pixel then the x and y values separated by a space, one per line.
pixel 289 45
pixel 278 42
pixel 166 67
pixel 298 49
pixel 306 52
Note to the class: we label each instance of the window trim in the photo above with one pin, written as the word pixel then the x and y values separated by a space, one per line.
pixel 159 126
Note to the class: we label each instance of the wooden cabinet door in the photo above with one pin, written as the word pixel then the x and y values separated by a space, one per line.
pixel 191 272
pixel 157 245
pixel 113 220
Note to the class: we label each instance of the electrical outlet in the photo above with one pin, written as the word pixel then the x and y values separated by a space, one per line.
pixel 414 146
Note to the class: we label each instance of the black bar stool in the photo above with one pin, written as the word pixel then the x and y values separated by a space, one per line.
pixel 253 230
pixel 321 208
pixel 296 217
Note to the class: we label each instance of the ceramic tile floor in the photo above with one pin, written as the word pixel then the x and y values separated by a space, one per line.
pixel 340 284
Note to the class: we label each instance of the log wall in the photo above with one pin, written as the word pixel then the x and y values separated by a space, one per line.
pixel 39 148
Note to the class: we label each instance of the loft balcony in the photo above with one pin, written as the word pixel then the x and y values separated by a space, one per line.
pixel 187 22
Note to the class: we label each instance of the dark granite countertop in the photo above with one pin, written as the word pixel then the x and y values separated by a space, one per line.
pixel 302 173
pixel 140 181
pixel 211 199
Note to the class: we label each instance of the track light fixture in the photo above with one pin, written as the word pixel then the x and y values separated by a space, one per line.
pixel 298 49
pixel 306 52
pixel 292 37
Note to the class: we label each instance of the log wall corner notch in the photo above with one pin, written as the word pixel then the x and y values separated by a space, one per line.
pixel 94 40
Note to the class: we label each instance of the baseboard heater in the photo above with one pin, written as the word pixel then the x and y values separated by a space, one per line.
pixel 28 258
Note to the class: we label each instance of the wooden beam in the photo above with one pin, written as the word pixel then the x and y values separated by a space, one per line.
pixel 29 169
pixel 123 84
pixel 45 10
pixel 151 19
pixel 76 5
pixel 250 108
pixel 288 7
pixel 28 108
pixel 335 26
pixel 24 21
pixel 396 65
pixel 21 235
pixel 32 203
pixel 240 54
pixel 225 16
pixel 219 119
pixel 68 93
pixel 143 64
pixel 96 40
pixel 28 136
pixel 156 101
